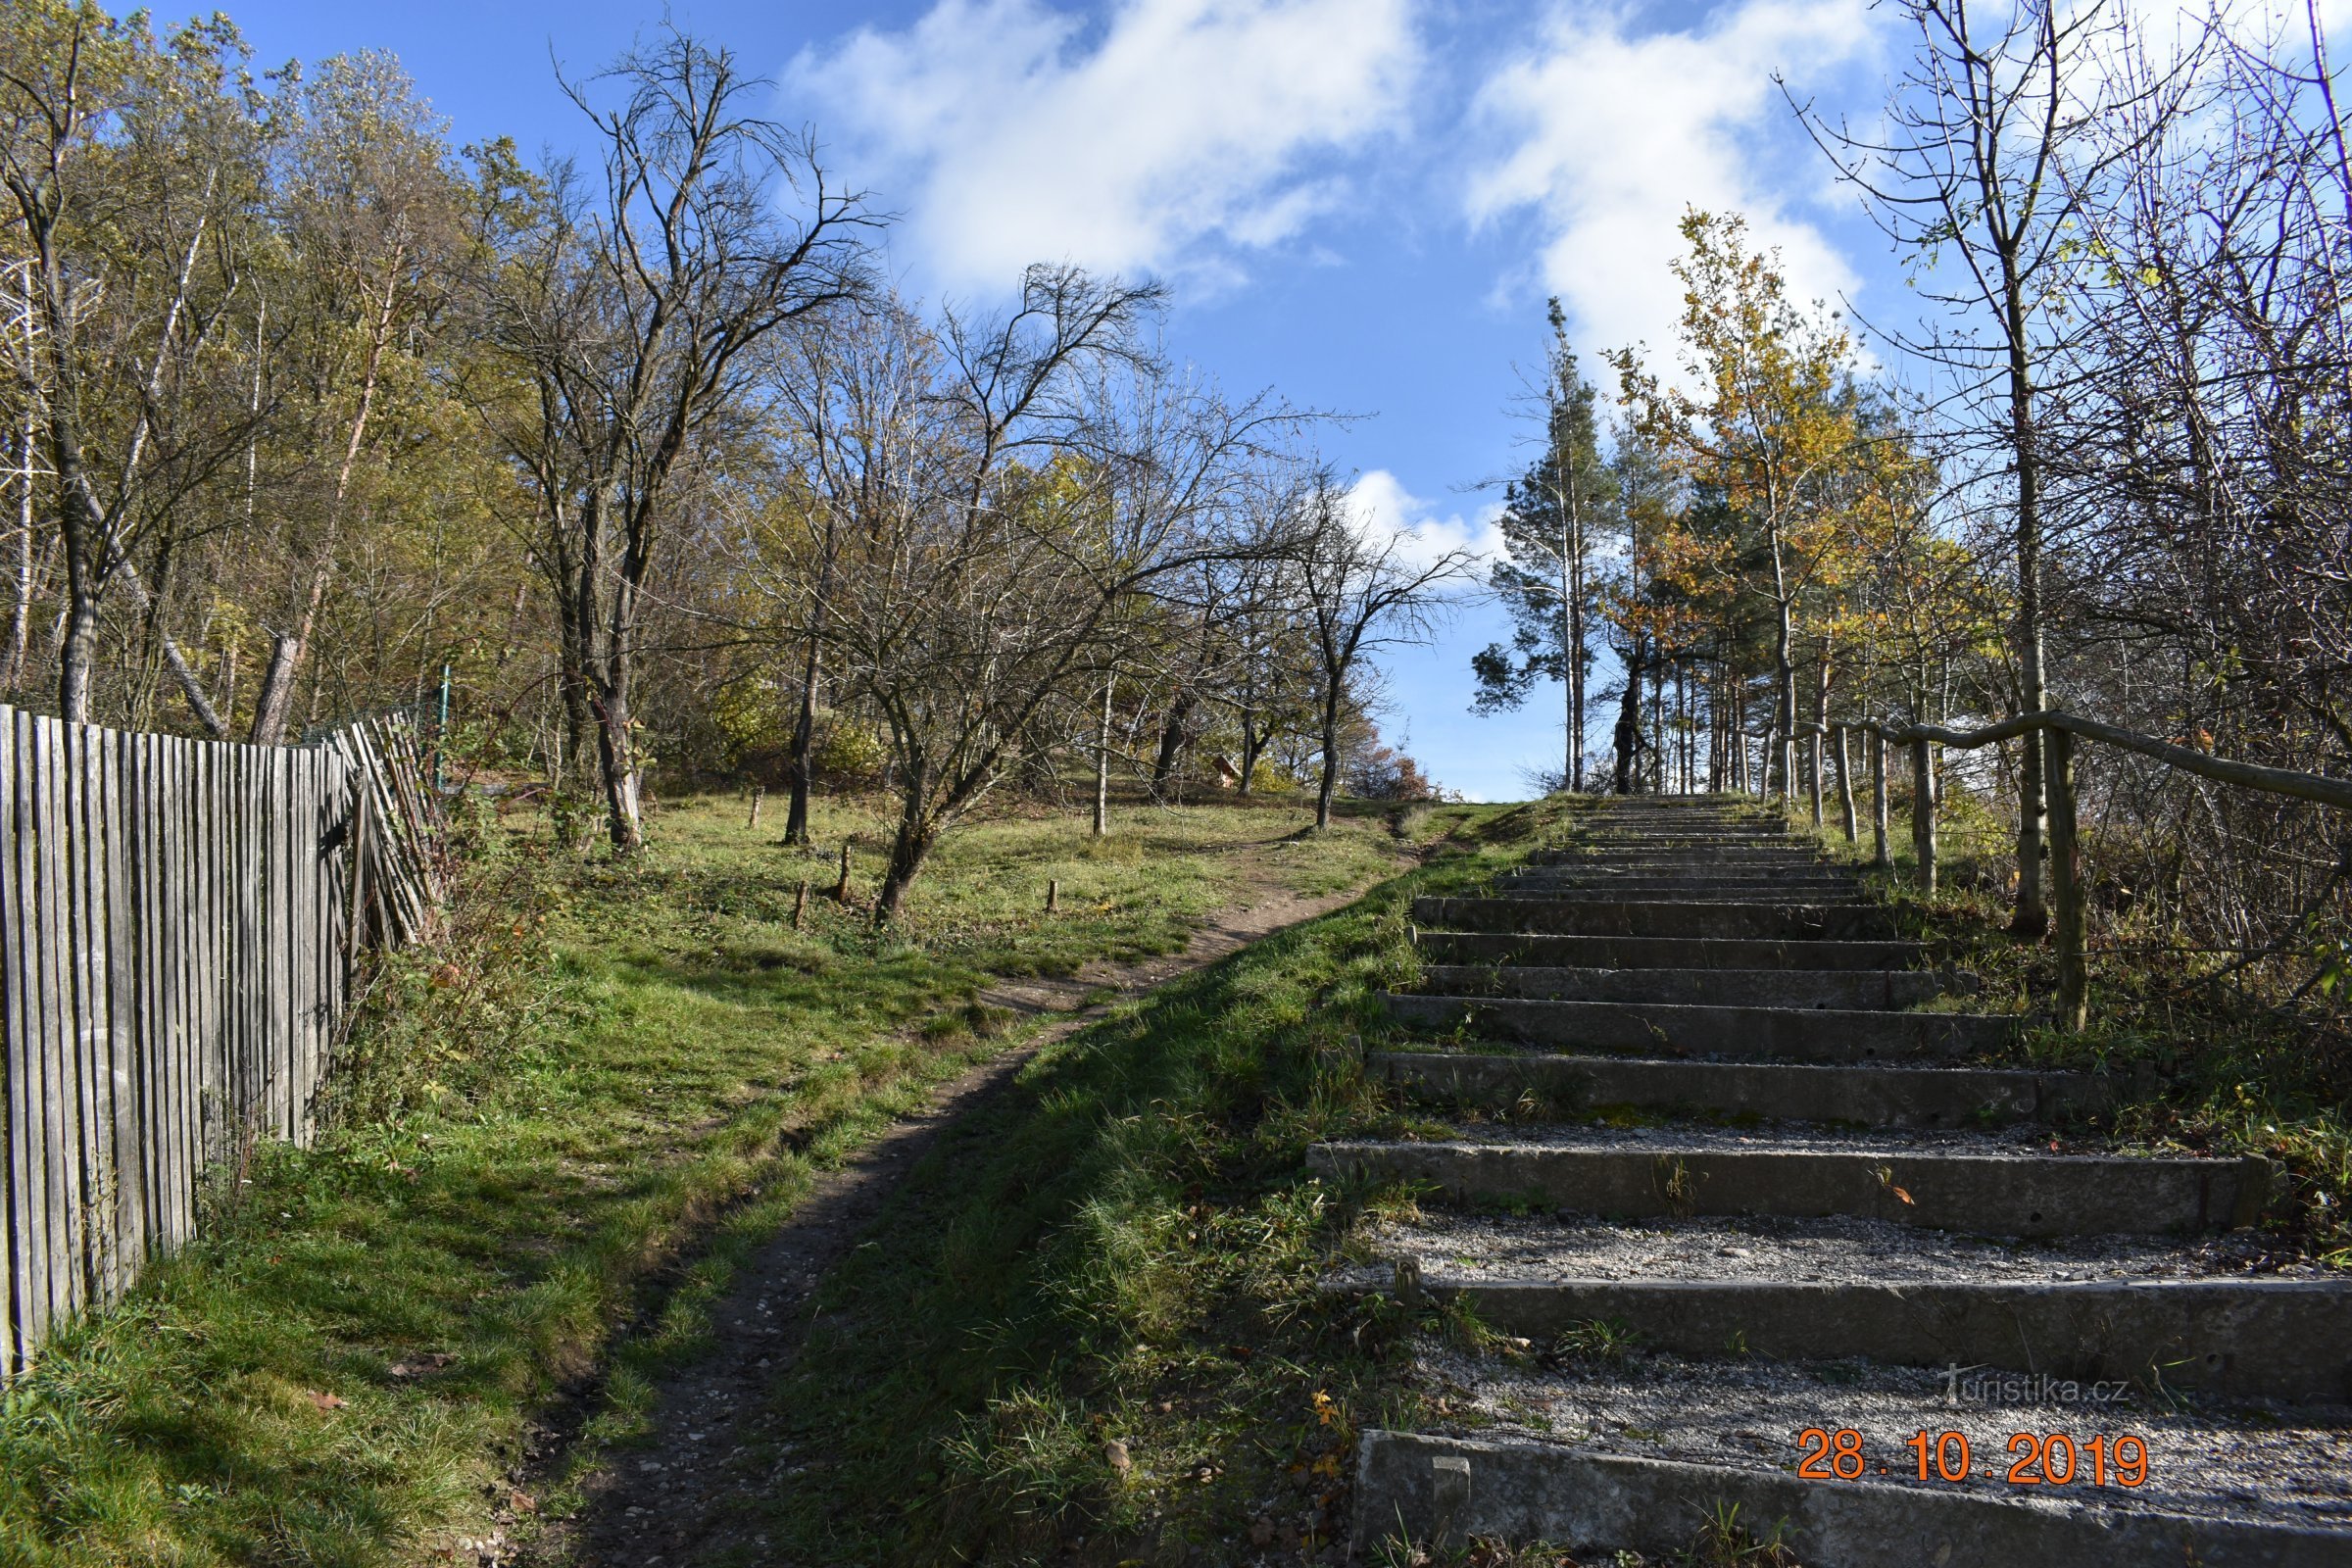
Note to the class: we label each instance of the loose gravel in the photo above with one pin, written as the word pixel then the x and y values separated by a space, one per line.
pixel 1842 1251
pixel 2282 1463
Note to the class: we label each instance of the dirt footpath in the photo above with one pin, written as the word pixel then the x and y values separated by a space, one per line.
pixel 666 1504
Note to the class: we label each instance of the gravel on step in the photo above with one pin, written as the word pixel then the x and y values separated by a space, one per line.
pixel 1839 1251
pixel 2284 1463
pixel 1771 1139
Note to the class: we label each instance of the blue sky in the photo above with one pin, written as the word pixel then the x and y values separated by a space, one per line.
pixel 1362 203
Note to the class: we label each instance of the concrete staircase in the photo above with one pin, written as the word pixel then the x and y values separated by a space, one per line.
pixel 1732 1167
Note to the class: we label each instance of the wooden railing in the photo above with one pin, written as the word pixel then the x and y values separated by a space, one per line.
pixel 179 921
pixel 2060 731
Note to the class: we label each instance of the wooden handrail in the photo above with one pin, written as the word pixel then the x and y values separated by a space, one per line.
pixel 2314 786
pixel 2066 868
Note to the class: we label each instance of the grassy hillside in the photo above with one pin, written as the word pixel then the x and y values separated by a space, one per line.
pixel 550 1140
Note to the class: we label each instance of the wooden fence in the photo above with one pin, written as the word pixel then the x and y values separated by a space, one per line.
pixel 179 922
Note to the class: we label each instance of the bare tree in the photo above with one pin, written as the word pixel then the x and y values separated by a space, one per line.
pixel 1988 159
pixel 1362 590
pixel 999 493
pixel 635 326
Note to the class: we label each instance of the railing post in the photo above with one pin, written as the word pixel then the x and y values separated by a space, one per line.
pixel 2066 876
pixel 1879 858
pixel 1846 784
pixel 1813 775
pixel 1923 813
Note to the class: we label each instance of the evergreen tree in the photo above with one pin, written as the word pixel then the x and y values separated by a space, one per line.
pixel 1551 516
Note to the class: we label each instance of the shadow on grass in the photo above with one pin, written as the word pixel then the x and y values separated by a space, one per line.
pixel 1091 1328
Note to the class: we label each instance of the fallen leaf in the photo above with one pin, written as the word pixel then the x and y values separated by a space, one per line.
pixel 523 1502
pixel 325 1401
pixel 1115 1452
pixel 1899 1192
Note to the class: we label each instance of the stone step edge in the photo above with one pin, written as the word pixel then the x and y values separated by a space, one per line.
pixel 1440 1488
pixel 1947 980
pixel 1987 1193
pixel 1882 953
pixel 1713 1012
pixel 1868 1093
pixel 1822 1036
pixel 2284 1339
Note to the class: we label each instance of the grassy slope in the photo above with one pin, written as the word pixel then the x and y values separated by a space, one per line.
pixel 1092 1332
pixel 555 1138
pixel 1093 1336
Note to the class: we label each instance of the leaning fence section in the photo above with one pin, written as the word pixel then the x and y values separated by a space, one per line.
pixel 179 922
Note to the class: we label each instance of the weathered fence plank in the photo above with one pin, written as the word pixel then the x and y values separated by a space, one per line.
pixel 179 921
pixel 14 1285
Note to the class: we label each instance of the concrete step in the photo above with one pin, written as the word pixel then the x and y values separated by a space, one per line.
pixel 1660 952
pixel 1639 919
pixel 1746 1034
pixel 1704 866
pixel 1794 891
pixel 1862 990
pixel 1730 838
pixel 1712 867
pixel 2154 1313
pixel 1701 872
pixel 1962 1185
pixel 2240 1339
pixel 1705 854
pixel 1593 1502
pixel 1871 1096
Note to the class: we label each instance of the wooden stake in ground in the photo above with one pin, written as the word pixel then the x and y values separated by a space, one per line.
pixel 800 903
pixel 840 889
pixel 1053 894
pixel 759 793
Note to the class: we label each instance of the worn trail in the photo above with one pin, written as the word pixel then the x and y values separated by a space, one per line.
pixel 678 1498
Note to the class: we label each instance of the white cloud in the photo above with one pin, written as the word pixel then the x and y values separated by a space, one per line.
pixel 1172 136
pixel 1381 506
pixel 1609 134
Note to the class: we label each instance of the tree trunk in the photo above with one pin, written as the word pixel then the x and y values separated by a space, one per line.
pixel 1923 813
pixel 804 748
pixel 277 693
pixel 1101 826
pixel 1331 761
pixel 2033 915
pixel 79 650
pixel 1253 743
pixel 20 608
pixel 2066 876
pixel 1629 720
pixel 1845 786
pixel 275 701
pixel 1782 761
pixel 616 764
pixel 909 847
pixel 1171 743
pixel 1879 858
pixel 803 728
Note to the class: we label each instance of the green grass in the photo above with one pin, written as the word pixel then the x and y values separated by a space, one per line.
pixel 1092 1331
pixel 550 1141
